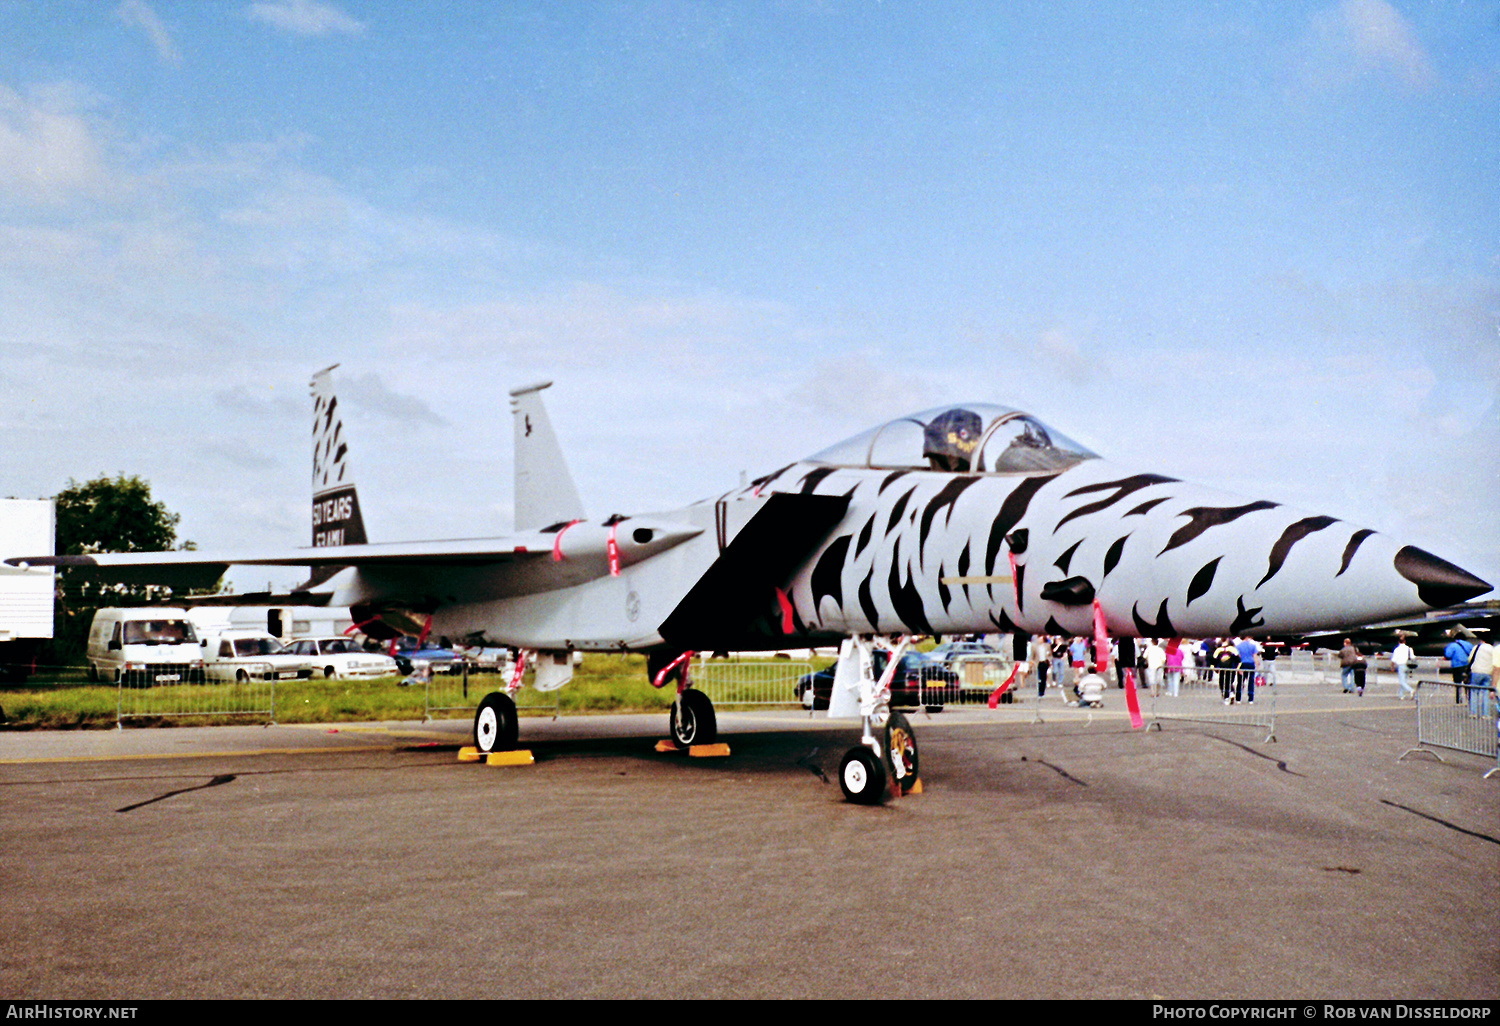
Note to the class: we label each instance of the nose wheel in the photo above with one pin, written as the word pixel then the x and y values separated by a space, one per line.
pixel 864 775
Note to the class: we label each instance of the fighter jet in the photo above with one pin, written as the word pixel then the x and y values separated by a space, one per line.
pixel 964 518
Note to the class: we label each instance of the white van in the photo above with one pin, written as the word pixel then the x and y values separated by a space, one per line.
pixel 142 647
pixel 244 655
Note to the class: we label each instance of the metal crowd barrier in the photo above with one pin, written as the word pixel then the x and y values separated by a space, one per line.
pixel 979 675
pixel 1213 695
pixel 750 682
pixel 1459 717
pixel 462 692
pixel 253 697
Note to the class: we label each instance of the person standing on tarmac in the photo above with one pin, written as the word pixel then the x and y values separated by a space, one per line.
pixel 1249 650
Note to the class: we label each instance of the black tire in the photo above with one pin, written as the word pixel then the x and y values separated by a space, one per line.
pixel 329 673
pixel 496 728
pixel 692 720
pixel 241 677
pixel 862 776
pixel 901 752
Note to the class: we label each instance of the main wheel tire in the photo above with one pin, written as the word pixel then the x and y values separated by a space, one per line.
pixel 862 776
pixel 901 751
pixel 692 720
pixel 496 728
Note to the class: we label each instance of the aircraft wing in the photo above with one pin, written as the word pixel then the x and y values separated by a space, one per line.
pixel 554 556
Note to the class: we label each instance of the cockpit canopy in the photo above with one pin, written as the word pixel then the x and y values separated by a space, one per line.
pixel 967 438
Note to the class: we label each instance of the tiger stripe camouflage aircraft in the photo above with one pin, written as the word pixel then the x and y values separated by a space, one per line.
pixel 967 518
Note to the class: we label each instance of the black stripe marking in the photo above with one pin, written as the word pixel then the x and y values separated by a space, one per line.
pixel 1147 506
pixel 1123 487
pixel 1067 557
pixel 898 509
pixel 890 478
pixel 828 574
pixel 864 536
pixel 1291 536
pixel 1246 620
pixel 1201 518
pixel 814 477
pixel 906 598
pixel 1003 623
pixel 1112 557
pixel 947 497
pixel 1011 512
pixel 1355 542
pixel 1203 580
pixel 1162 628
pixel 867 601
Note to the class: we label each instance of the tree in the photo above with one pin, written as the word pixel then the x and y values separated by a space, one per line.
pixel 105 515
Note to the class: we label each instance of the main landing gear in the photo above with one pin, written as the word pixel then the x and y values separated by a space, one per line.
pixel 496 727
pixel 692 719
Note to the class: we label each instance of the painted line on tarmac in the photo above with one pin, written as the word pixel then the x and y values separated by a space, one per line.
pixel 396 738
pixel 157 756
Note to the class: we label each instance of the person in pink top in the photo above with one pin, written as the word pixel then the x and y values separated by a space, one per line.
pixel 1174 666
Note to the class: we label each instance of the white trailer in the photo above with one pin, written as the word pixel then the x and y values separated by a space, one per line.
pixel 26 594
pixel 282 622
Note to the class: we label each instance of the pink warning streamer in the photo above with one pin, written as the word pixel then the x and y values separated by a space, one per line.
pixel 1101 640
pixel 1003 688
pixel 557 553
pixel 1132 702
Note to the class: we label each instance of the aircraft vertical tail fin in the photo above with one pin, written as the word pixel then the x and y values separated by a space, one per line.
pixel 545 493
pixel 336 519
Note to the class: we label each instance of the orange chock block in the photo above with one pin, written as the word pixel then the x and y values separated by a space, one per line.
pixel 696 751
pixel 468 753
pixel 521 757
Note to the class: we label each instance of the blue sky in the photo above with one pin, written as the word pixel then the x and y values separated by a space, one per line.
pixel 1254 245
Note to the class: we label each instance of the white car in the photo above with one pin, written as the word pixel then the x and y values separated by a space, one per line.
pixel 243 655
pixel 341 658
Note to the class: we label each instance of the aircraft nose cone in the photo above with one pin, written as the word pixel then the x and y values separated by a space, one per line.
pixel 1439 583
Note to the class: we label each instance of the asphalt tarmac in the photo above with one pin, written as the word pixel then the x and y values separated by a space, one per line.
pixel 1073 858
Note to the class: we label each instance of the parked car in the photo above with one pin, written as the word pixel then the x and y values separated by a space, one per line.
pixel 338 657
pixel 919 681
pixel 951 650
pixel 408 652
pixel 242 655
pixel 479 659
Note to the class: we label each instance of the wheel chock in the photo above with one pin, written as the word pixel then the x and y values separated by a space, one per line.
pixel 916 787
pixel 520 757
pixel 715 751
pixel 468 753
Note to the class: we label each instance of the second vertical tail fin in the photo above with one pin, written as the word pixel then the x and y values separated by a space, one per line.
pixel 545 493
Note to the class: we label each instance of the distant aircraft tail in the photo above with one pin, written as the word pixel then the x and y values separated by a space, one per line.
pixel 335 505
pixel 545 493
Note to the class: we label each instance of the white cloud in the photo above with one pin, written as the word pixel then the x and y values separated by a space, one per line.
pixel 49 153
pixel 305 17
pixel 1357 37
pixel 1381 37
pixel 139 14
